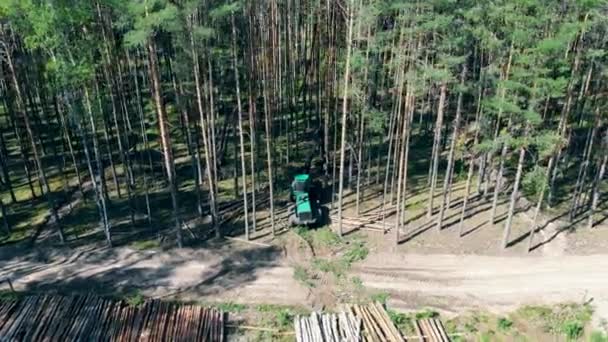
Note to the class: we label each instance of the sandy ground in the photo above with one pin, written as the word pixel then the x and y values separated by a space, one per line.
pixel 254 275
pixel 213 273
pixel 454 283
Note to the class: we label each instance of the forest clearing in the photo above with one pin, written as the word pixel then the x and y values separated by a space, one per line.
pixel 273 157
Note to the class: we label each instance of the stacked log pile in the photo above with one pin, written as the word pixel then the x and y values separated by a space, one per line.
pixel 431 330
pixel 376 323
pixel 342 327
pixel 90 318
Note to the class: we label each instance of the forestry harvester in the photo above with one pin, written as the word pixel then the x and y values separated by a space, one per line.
pixel 306 209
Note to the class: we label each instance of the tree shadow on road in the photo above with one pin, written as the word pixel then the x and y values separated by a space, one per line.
pixel 110 273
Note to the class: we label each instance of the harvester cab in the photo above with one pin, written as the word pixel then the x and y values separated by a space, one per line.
pixel 306 210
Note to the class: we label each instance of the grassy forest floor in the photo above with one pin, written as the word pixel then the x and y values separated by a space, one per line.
pixel 485 291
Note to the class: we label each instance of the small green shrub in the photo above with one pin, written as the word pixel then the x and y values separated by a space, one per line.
pixel 326 237
pixel 533 181
pixel 380 297
pixel 337 268
pixel 135 299
pixel 402 321
pixel 284 318
pixel 572 329
pixel 279 316
pixel 425 314
pixel 504 324
pixel 397 318
pixel 357 252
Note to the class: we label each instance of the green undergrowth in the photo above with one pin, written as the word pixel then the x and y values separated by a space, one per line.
pixel 335 255
pixel 319 238
pixel 381 297
pixel 135 299
pixel 279 318
pixel 339 264
pixel 563 322
pixel 568 320
pixel 405 321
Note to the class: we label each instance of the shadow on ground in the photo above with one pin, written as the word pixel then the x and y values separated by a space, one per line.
pixel 218 268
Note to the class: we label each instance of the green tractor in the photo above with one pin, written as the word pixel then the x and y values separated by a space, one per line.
pixel 306 210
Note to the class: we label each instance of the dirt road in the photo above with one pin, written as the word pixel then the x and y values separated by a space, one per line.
pixel 456 282
pixel 223 272
pixel 232 272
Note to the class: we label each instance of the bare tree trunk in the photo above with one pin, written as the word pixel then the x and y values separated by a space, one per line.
pixel 165 137
pixel 335 120
pixel 596 191
pixel 66 134
pixel 582 173
pixel 100 198
pixel 392 129
pixel 206 143
pixel 107 141
pixel 5 155
pixel 194 160
pixel 5 223
pixel 144 136
pixel 268 144
pixel 359 163
pixel 520 165
pixel 5 172
pixel 240 122
pixel 437 146
pixel 497 182
pixel 252 148
pixel 539 204
pixel 447 181
pixel 349 36
pixel 362 128
pixel 467 191
pixel 481 180
pixel 26 162
pixel 563 122
pixel 212 120
pixel 402 178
